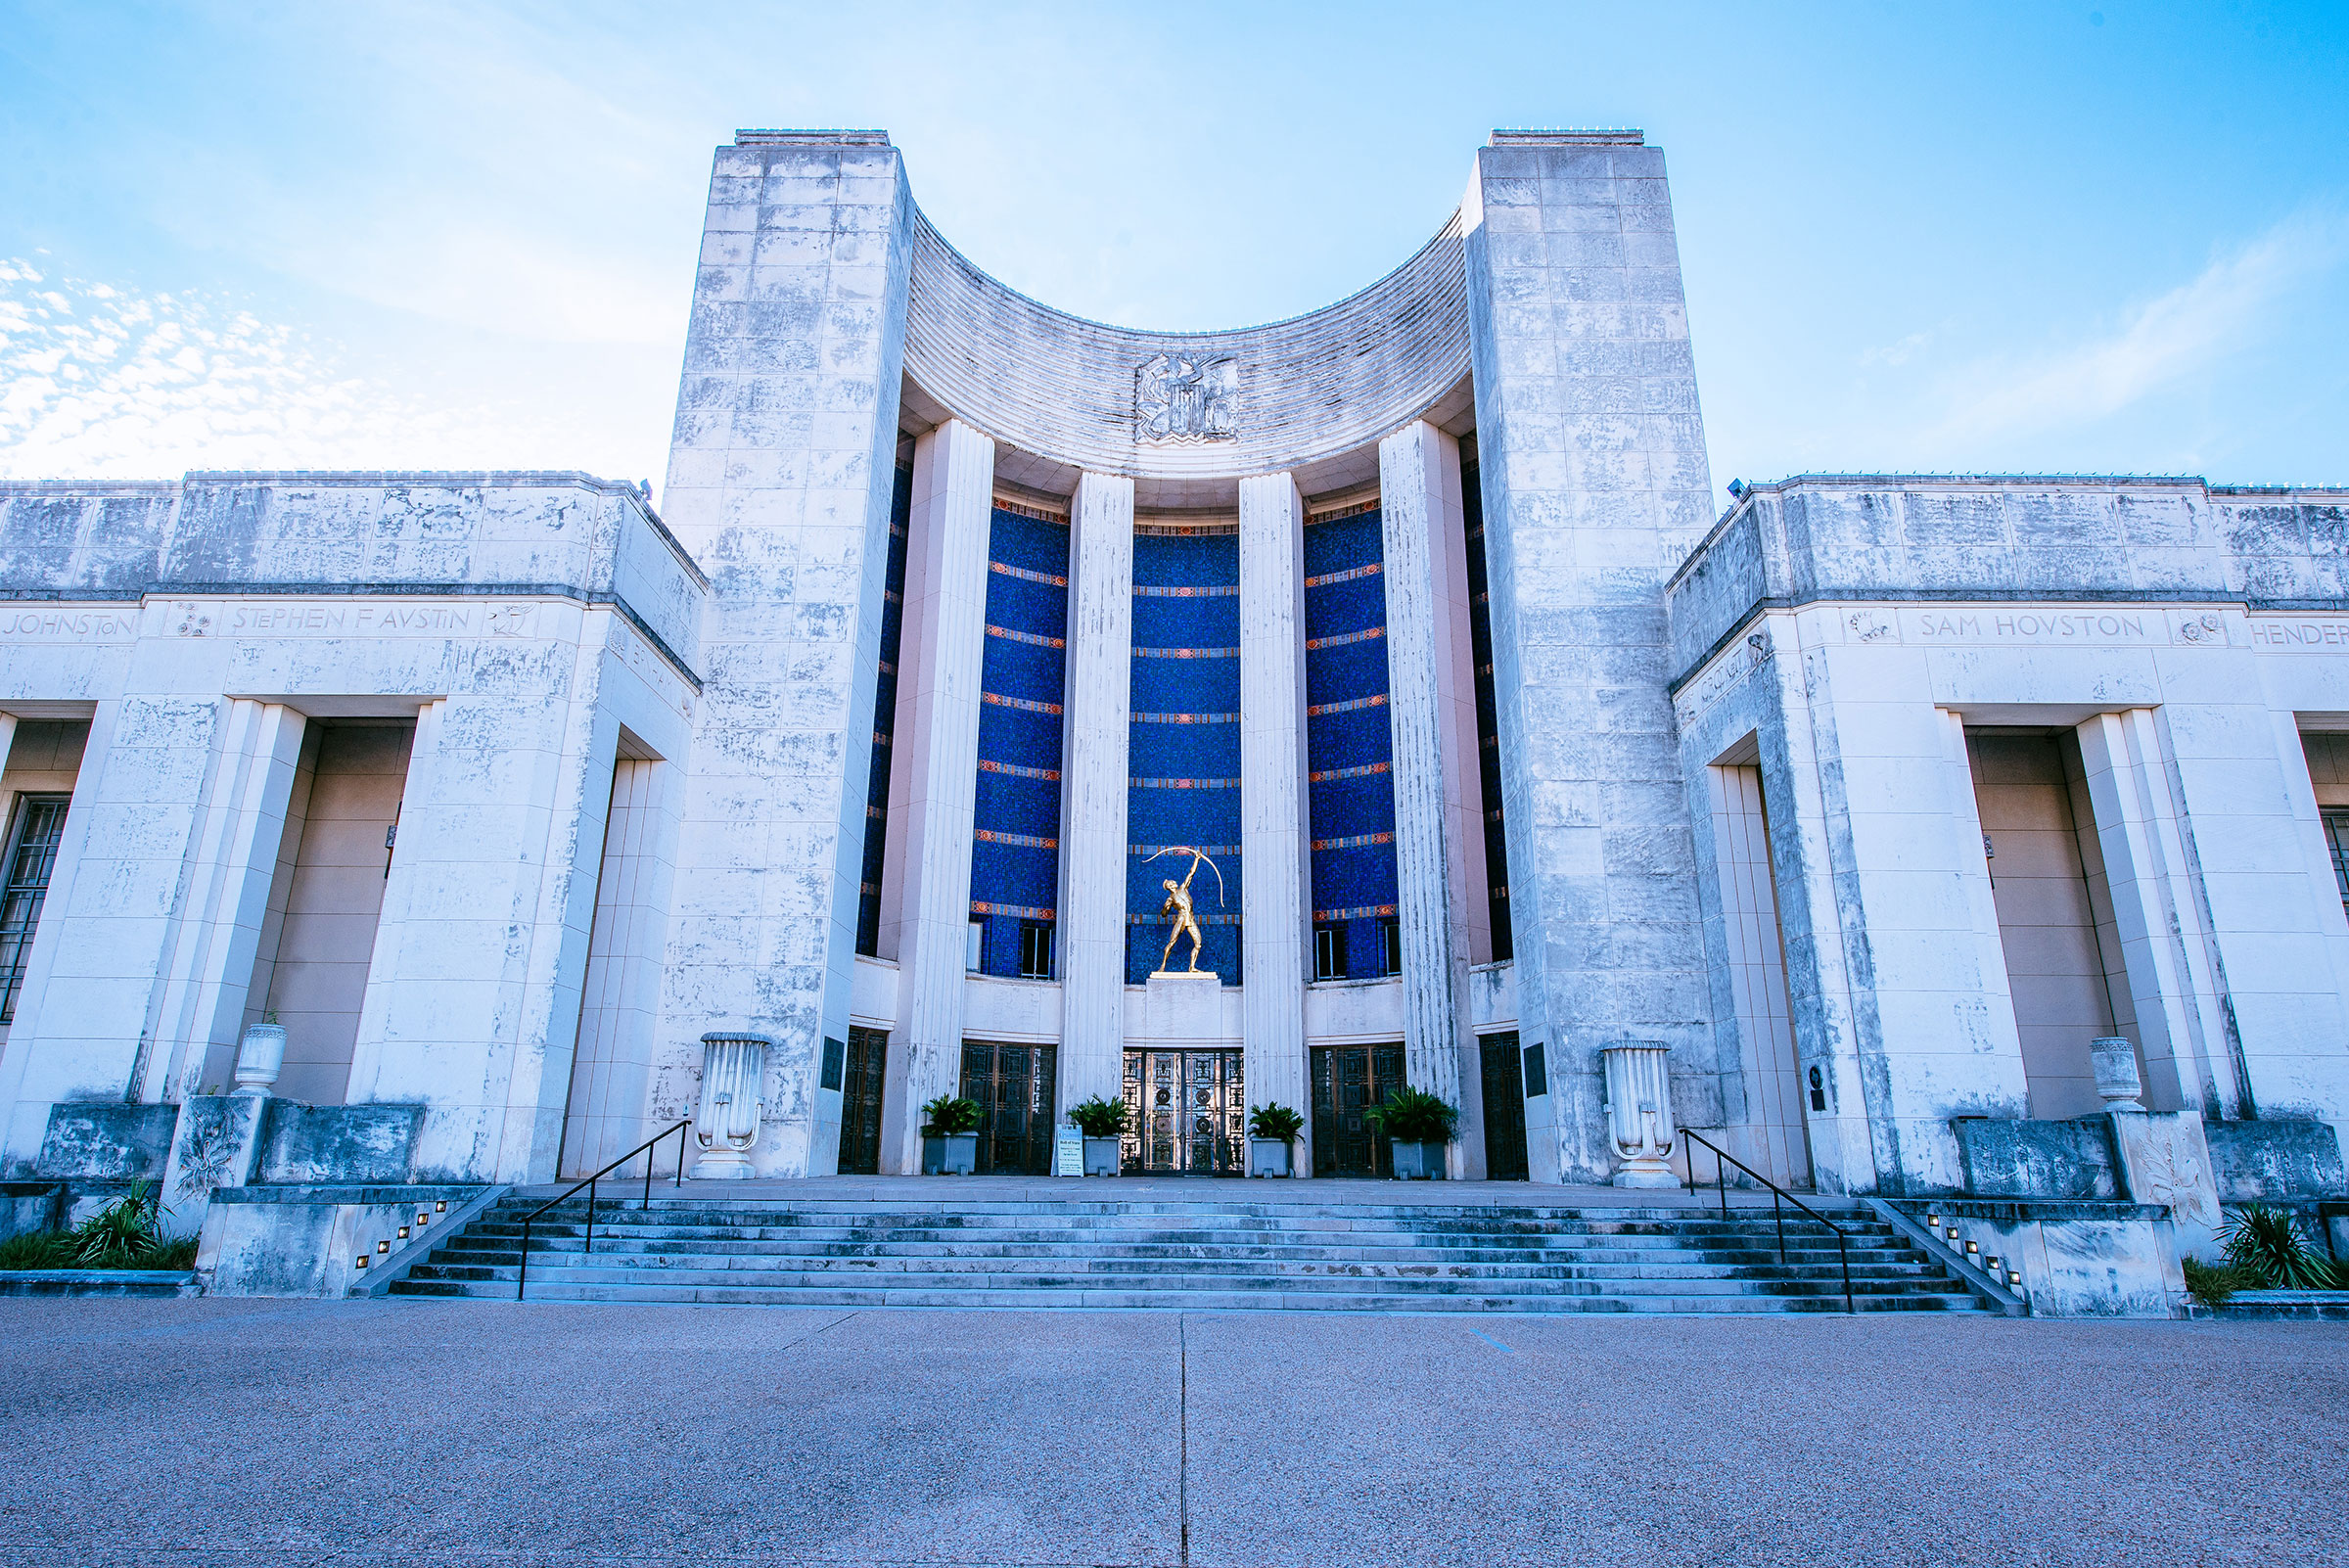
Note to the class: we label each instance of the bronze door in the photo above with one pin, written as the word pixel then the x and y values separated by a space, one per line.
pixel 1014 1087
pixel 1186 1114
pixel 860 1102
pixel 1504 1108
pixel 1348 1080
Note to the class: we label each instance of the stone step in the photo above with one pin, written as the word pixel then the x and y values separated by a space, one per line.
pixel 835 1294
pixel 1178 1254
pixel 1336 1218
pixel 1881 1236
pixel 587 1272
pixel 670 1262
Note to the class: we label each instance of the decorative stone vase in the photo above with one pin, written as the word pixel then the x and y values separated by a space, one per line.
pixel 261 1057
pixel 949 1154
pixel 1418 1162
pixel 2117 1083
pixel 734 1079
pixel 1269 1157
pixel 1101 1157
pixel 1640 1114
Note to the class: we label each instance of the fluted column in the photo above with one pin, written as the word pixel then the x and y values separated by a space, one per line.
pixel 1274 916
pixel 938 728
pixel 1092 922
pixel 1423 605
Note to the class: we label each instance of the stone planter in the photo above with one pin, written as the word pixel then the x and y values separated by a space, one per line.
pixel 1269 1157
pixel 1101 1157
pixel 734 1079
pixel 1418 1162
pixel 1639 1114
pixel 949 1154
pixel 261 1057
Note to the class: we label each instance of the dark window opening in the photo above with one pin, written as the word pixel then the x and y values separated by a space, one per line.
pixel 1329 950
pixel 1390 936
pixel 2336 838
pixel 1036 949
pixel 40 824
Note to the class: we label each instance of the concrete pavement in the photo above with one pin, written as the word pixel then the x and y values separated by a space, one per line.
pixel 220 1432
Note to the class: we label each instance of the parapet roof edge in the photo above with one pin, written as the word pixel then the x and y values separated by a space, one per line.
pixel 810 137
pixel 1567 136
pixel 1450 228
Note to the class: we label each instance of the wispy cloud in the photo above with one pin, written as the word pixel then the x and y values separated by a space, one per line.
pixel 104 383
pixel 2232 303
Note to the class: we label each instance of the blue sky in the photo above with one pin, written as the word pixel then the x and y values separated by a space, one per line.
pixel 2077 238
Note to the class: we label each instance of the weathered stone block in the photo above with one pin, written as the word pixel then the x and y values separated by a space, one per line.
pixel 2276 1159
pixel 338 1142
pixel 2018 1159
pixel 112 1142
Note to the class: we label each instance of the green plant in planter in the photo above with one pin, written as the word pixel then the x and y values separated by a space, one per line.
pixel 1414 1115
pixel 128 1234
pixel 1275 1120
pixel 2266 1246
pixel 2209 1283
pixel 950 1115
pixel 1098 1118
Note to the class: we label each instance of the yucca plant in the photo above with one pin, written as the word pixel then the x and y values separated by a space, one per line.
pixel 123 1233
pixel 2268 1245
pixel 1276 1121
pixel 1098 1118
pixel 950 1115
pixel 1414 1115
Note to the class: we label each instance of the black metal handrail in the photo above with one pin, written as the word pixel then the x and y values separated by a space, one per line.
pixel 590 1183
pixel 1777 1195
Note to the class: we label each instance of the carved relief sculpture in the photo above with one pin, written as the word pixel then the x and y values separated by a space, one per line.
pixel 1186 397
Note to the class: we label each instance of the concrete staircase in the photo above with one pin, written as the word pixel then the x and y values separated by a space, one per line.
pixel 1202 1256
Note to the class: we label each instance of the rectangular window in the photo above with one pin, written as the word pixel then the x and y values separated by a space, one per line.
pixel 1390 937
pixel 2336 839
pixel 1036 949
pixel 974 953
pixel 1329 950
pixel 40 823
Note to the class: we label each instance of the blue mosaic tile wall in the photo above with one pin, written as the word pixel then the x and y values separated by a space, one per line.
pixel 885 719
pixel 1488 727
pixel 1015 860
pixel 1349 749
pixel 1184 745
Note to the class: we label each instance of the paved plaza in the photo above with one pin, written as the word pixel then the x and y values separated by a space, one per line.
pixel 240 1432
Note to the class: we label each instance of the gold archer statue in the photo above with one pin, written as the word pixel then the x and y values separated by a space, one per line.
pixel 1179 908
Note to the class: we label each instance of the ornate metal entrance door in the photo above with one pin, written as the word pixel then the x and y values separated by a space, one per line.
pixel 1013 1086
pixel 861 1103
pixel 1504 1108
pixel 1348 1080
pixel 1187 1114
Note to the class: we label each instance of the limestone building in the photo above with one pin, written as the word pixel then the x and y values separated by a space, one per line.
pixel 1405 629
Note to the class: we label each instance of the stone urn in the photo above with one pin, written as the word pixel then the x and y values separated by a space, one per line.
pixel 733 1078
pixel 1639 1114
pixel 2117 1083
pixel 261 1057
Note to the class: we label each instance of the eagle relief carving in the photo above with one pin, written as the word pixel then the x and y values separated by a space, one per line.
pixel 1186 397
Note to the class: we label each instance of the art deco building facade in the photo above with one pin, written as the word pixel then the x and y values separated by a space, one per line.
pixel 1406 630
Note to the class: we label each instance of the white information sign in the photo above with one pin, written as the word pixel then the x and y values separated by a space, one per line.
pixel 1068 1152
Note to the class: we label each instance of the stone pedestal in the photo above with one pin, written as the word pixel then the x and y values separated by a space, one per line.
pixel 1639 1114
pixel 216 1144
pixel 734 1079
pixel 2165 1159
pixel 1179 1006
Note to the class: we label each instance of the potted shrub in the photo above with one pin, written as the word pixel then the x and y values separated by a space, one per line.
pixel 1103 1121
pixel 1272 1139
pixel 950 1137
pixel 1418 1125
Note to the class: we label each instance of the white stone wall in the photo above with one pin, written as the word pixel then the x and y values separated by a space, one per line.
pixel 151 939
pixel 1592 455
pixel 780 478
pixel 2210 902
